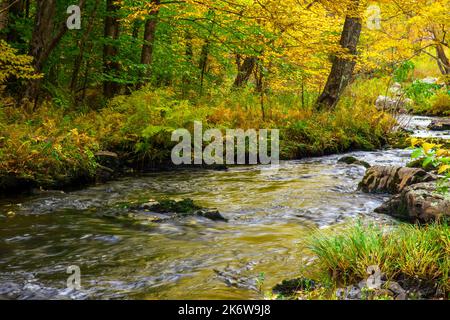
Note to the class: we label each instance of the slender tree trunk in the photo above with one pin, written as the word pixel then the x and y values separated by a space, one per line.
pixel 149 37
pixel 259 78
pixel 4 4
pixel 245 70
pixel 82 45
pixel 342 69
pixel 204 53
pixel 27 8
pixel 85 78
pixel 110 49
pixel 203 63
pixel 189 58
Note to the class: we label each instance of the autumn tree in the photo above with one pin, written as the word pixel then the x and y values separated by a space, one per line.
pixel 344 64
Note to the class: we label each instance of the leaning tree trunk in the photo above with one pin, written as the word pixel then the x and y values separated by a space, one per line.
pixel 245 70
pixel 110 49
pixel 342 69
pixel 443 63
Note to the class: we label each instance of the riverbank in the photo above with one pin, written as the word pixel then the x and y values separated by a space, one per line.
pixel 55 148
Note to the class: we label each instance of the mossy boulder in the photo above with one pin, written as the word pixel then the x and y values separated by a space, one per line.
pixel 173 209
pixel 355 161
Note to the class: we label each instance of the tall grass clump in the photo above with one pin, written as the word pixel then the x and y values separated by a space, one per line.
pixel 408 252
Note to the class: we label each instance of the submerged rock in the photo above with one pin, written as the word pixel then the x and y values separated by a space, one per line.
pixel 237 278
pixel 440 125
pixel 210 214
pixel 355 161
pixel 186 207
pixel 419 202
pixel 392 179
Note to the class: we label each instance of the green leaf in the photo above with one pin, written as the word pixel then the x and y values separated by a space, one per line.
pixel 417 153
pixel 427 161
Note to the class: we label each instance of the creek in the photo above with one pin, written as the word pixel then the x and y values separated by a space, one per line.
pixel 270 213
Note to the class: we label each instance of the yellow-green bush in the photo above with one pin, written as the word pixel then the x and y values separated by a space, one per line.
pixel 44 146
pixel 440 104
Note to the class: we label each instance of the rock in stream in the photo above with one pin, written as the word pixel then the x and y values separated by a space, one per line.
pixel 416 196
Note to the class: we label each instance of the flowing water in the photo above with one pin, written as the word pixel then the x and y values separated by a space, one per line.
pixel 270 211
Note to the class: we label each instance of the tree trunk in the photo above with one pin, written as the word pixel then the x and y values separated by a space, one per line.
pixel 110 49
pixel 4 4
pixel 189 58
pixel 204 53
pixel 342 69
pixel 259 79
pixel 203 63
pixel 41 40
pixel 245 70
pixel 443 63
pixel 149 37
pixel 82 45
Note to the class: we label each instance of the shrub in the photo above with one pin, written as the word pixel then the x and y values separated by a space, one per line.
pixel 440 104
pixel 45 147
pixel 406 251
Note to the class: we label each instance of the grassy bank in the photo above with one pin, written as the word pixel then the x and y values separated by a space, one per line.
pixel 415 256
pixel 54 145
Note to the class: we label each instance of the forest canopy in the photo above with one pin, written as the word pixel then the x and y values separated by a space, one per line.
pixel 192 45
